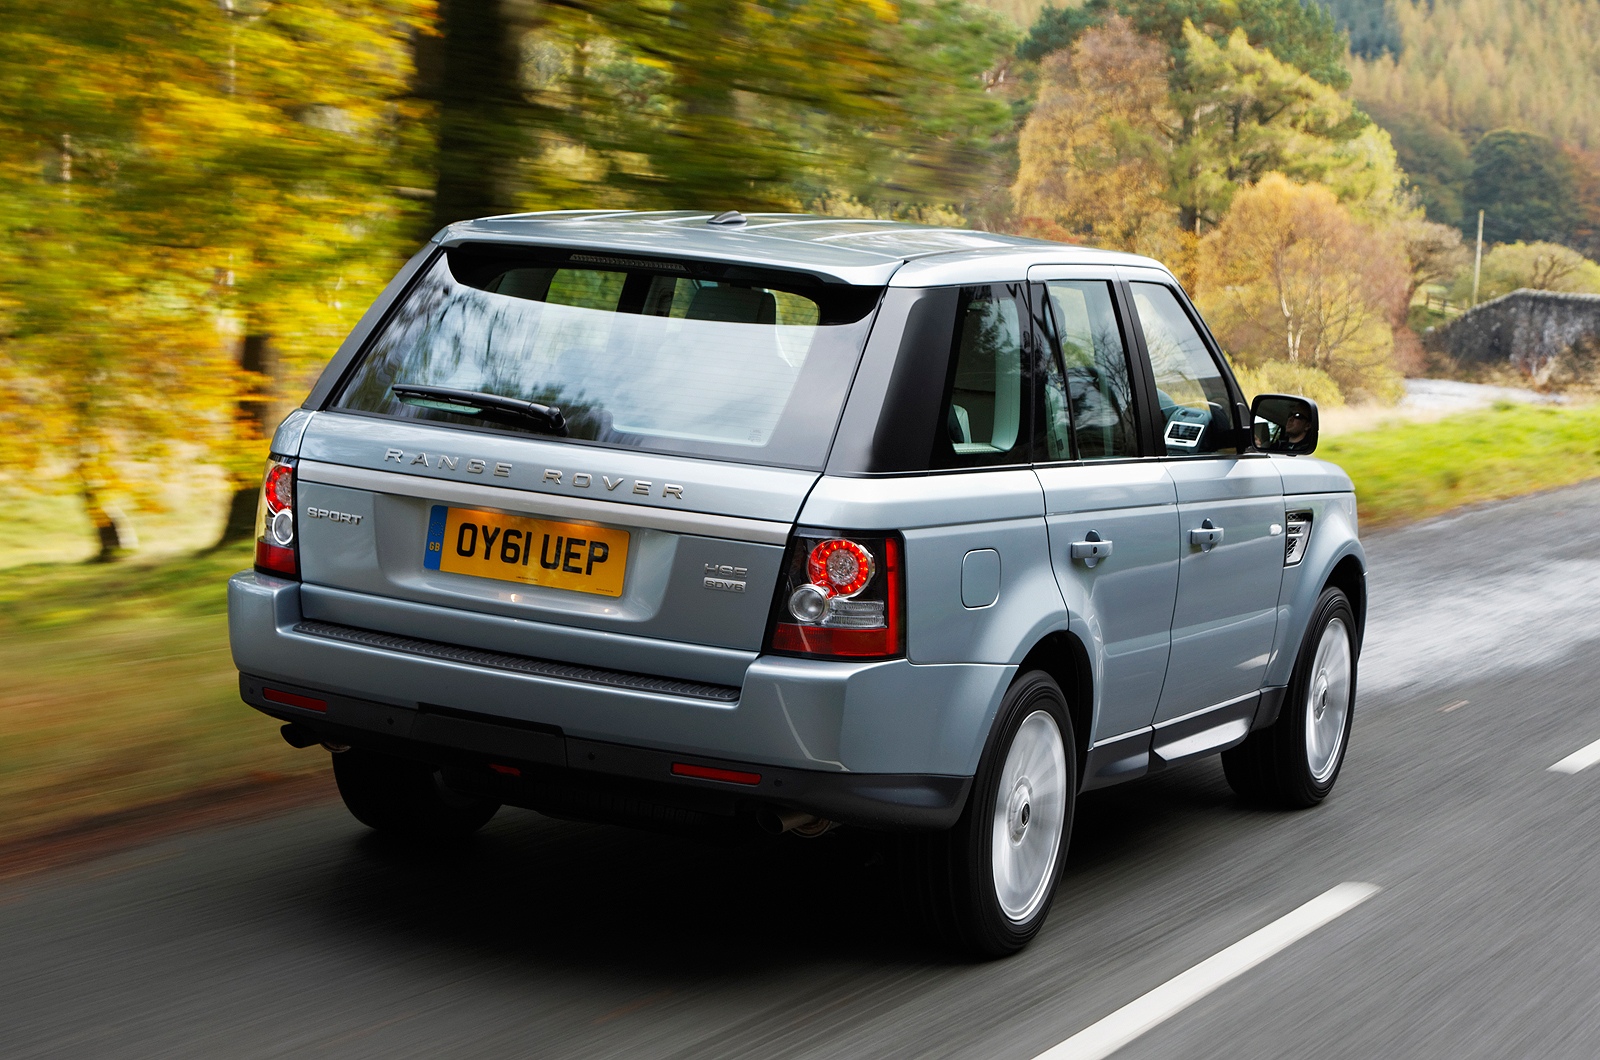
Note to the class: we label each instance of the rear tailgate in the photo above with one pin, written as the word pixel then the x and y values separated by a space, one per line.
pixel 541 547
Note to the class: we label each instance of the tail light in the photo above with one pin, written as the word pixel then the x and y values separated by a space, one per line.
pixel 840 596
pixel 276 552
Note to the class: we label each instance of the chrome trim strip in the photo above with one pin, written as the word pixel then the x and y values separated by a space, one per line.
pixel 1100 745
pixel 762 531
pixel 1215 708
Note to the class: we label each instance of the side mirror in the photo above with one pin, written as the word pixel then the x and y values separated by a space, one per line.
pixel 1284 423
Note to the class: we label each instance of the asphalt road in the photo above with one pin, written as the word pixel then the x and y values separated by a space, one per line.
pixel 302 936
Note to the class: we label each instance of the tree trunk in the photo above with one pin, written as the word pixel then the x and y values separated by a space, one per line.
pixel 105 528
pixel 479 91
pixel 253 419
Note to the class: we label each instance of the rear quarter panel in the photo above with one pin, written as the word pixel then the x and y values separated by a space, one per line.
pixel 943 517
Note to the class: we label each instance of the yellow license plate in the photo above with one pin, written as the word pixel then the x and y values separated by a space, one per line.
pixel 515 548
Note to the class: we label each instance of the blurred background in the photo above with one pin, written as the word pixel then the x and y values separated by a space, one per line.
pixel 199 197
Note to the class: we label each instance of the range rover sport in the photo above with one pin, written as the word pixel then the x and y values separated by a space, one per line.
pixel 794 522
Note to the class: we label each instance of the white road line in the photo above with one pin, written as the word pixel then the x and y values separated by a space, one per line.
pixel 1579 760
pixel 1101 1039
pixel 1454 706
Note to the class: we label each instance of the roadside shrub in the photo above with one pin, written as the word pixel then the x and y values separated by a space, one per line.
pixel 1536 266
pixel 1285 377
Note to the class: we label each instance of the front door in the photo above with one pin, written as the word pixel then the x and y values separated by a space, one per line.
pixel 1230 518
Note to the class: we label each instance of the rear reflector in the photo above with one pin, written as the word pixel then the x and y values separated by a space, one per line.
pixel 732 776
pixel 304 702
pixel 275 558
pixel 510 771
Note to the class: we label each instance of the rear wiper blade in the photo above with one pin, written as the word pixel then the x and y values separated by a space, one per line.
pixel 546 418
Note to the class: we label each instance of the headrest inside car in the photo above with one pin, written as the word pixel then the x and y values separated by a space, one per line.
pixel 735 305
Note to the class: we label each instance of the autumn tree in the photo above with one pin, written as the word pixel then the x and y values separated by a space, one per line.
pixel 470 68
pixel 1434 253
pixel 1094 151
pixel 1300 34
pixel 1291 275
pixel 1245 113
pixel 718 96
pixel 223 177
pixel 1535 266
pixel 945 141
pixel 106 351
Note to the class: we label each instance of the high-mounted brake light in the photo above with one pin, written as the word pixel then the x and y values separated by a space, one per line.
pixel 275 537
pixel 840 597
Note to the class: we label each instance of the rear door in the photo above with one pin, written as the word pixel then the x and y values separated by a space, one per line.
pixel 698 404
pixel 1105 494
pixel 583 537
pixel 1230 514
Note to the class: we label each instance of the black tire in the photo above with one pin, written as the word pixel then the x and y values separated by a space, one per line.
pixel 1276 766
pixel 404 798
pixel 953 875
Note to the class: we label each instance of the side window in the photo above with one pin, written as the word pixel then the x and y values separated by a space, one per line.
pixel 983 418
pixel 1194 401
pixel 1089 394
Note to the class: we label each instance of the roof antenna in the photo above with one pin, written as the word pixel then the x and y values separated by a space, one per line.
pixel 728 217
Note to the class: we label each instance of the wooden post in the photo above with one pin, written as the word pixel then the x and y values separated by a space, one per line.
pixel 1477 261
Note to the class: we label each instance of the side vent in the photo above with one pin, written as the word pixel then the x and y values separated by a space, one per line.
pixel 1299 535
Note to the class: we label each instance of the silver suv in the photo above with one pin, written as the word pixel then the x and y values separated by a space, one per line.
pixel 796 522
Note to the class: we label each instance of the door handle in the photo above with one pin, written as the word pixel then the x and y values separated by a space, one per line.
pixel 1092 549
pixel 1208 536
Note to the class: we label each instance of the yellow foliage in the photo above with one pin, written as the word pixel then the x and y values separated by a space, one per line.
pixel 1290 275
pixel 1093 151
pixel 213 171
pixel 1251 113
pixel 1284 377
pixel 1537 266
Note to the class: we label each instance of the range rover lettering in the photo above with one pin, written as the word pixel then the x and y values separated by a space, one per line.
pixel 798 523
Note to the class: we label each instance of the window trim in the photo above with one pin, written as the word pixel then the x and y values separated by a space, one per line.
pixel 942 455
pixel 1045 325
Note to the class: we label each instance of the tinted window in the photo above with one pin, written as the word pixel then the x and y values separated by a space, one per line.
pixel 706 359
pixel 1194 401
pixel 983 417
pixel 1089 393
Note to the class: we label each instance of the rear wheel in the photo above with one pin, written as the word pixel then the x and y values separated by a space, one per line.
pixel 400 797
pixel 1294 761
pixel 987 883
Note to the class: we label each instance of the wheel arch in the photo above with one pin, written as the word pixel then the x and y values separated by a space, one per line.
pixel 1063 656
pixel 1351 577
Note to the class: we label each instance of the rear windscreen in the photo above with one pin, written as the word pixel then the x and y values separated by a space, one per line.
pixel 724 361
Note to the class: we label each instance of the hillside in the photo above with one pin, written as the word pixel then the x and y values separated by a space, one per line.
pixel 1476 65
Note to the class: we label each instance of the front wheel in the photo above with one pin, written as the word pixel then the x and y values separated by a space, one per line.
pixel 989 881
pixel 1294 761
pixel 400 797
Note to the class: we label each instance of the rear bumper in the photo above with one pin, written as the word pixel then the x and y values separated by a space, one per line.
pixel 541 767
pixel 808 716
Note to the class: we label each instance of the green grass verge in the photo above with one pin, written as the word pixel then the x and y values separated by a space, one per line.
pixel 120 691
pixel 1406 472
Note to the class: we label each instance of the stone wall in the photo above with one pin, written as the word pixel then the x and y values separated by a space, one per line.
pixel 1526 329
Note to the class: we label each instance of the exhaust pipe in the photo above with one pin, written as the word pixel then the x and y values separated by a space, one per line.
pixel 299 736
pixel 302 736
pixel 805 825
